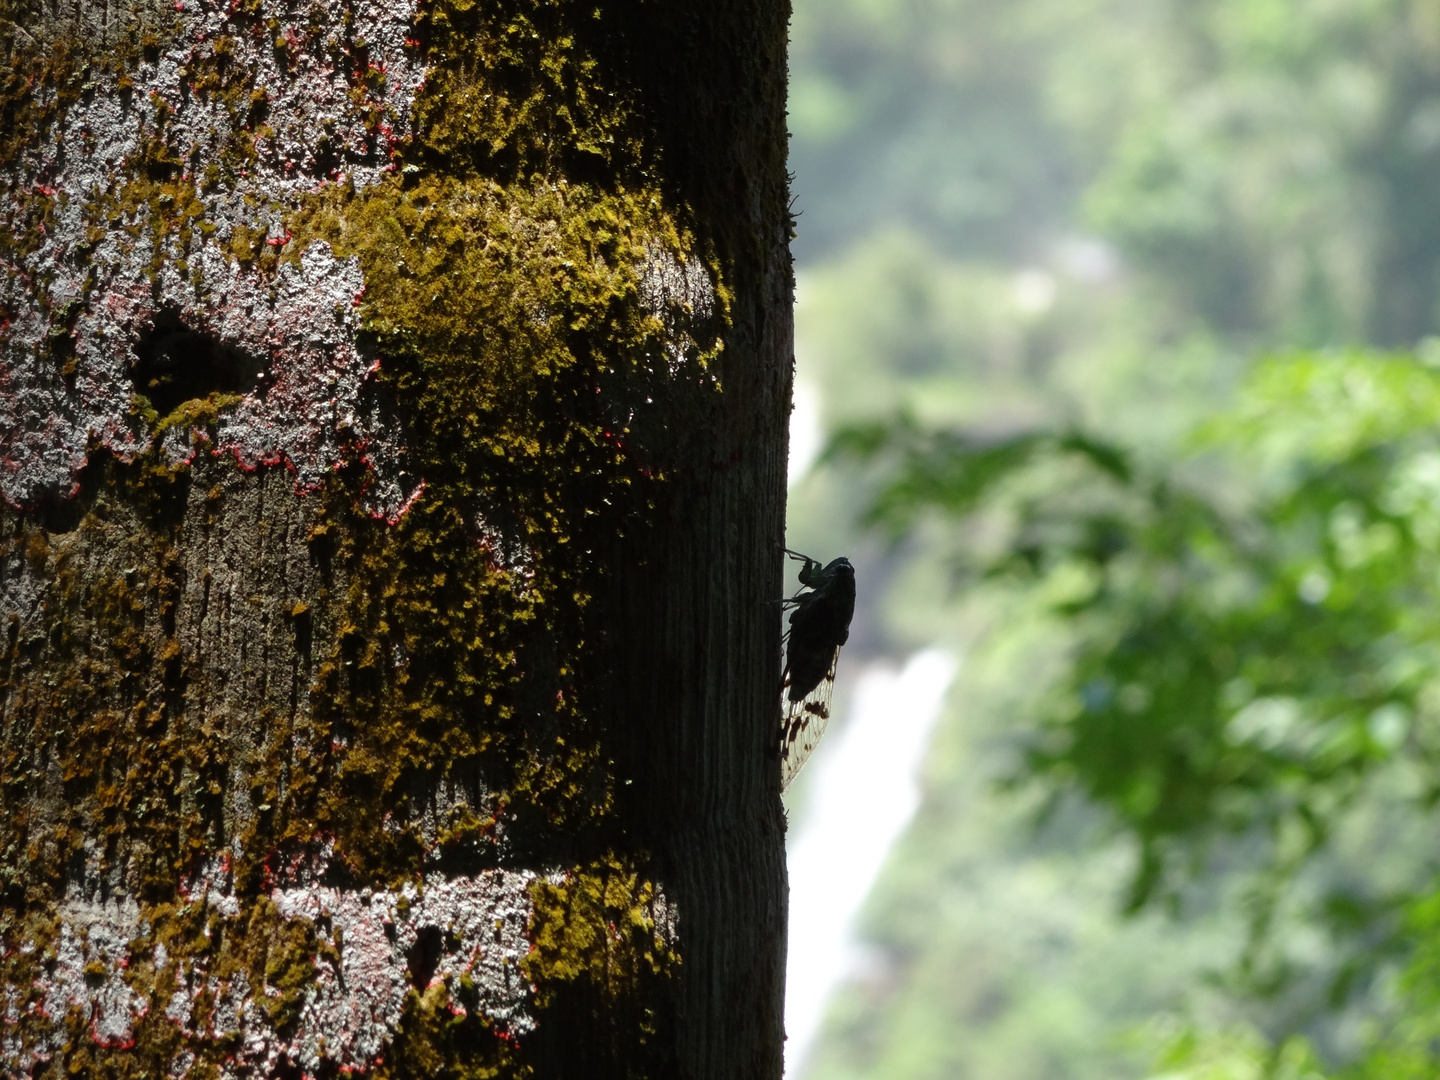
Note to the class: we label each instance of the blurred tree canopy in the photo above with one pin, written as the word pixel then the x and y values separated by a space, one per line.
pixel 1123 310
pixel 1253 688
pixel 1271 167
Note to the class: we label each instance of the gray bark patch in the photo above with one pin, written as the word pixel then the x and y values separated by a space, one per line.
pixel 145 194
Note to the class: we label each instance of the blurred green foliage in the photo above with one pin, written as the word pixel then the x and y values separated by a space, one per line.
pixel 1041 244
pixel 1247 676
pixel 1268 166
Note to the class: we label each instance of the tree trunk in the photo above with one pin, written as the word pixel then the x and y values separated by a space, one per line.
pixel 393 414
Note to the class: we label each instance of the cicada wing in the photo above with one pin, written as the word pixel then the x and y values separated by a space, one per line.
pixel 805 722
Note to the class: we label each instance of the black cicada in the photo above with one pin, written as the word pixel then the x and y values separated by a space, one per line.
pixel 819 625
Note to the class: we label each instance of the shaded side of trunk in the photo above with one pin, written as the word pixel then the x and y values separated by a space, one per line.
pixel 392 407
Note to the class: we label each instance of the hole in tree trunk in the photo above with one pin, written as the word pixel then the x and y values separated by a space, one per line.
pixel 424 956
pixel 176 364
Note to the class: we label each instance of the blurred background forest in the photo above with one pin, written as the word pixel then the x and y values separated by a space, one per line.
pixel 1118 315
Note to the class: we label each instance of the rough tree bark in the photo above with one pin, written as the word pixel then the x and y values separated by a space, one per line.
pixel 392 404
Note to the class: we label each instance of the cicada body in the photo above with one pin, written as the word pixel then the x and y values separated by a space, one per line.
pixel 819 625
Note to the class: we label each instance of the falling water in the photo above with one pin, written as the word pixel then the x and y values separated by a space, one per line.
pixel 864 790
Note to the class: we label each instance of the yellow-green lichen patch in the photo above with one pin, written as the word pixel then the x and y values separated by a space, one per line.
pixel 509 327
pixel 442 1035
pixel 519 90
pixel 605 925
pixel 509 319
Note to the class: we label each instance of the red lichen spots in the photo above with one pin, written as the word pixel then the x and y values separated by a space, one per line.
pixel 392 517
pixel 111 1042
